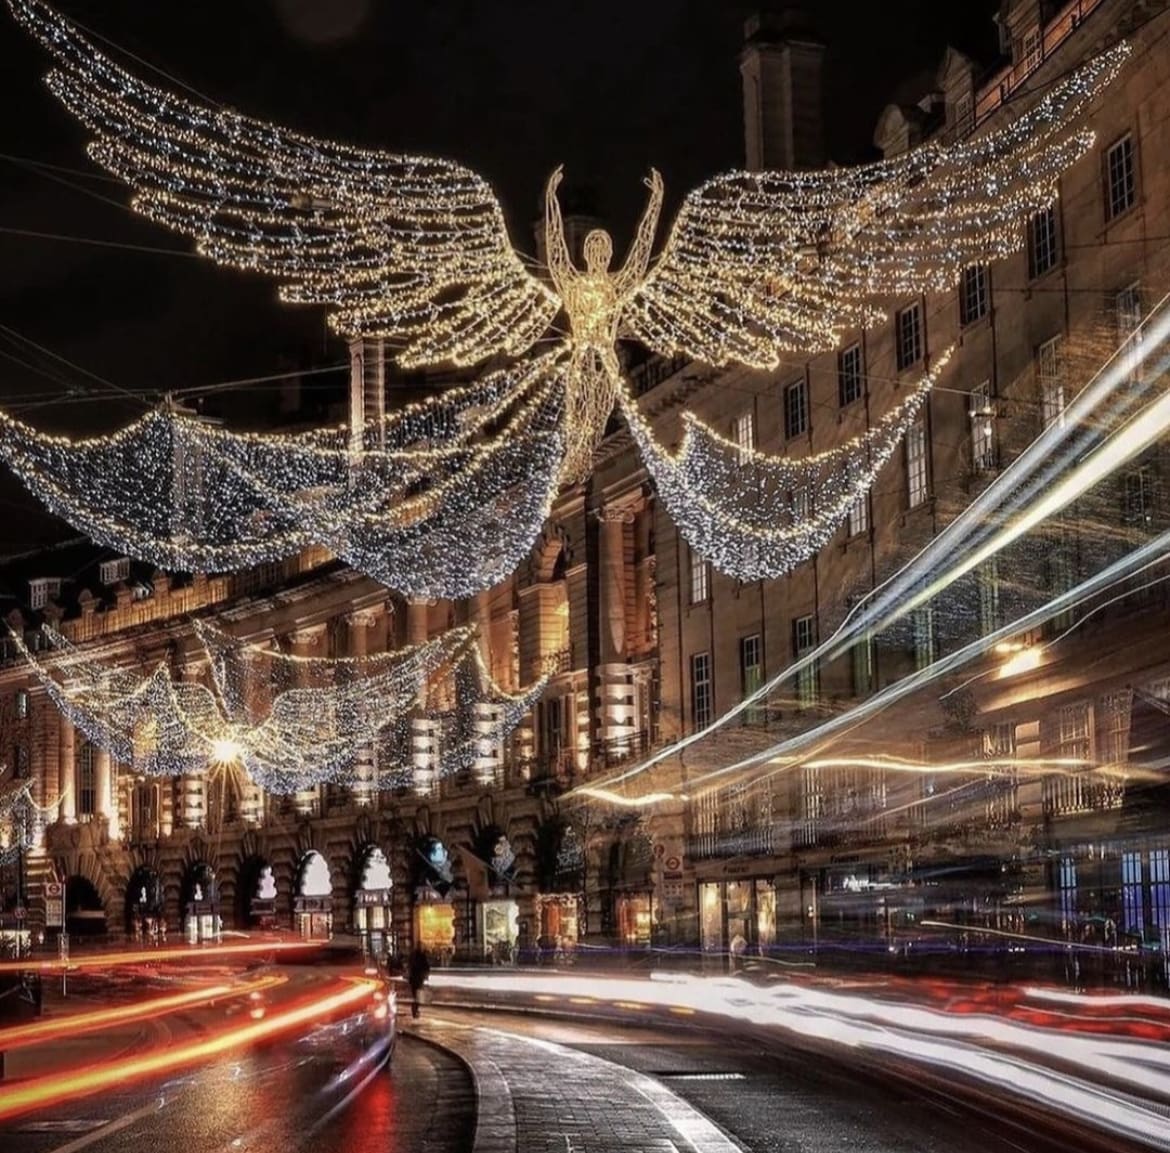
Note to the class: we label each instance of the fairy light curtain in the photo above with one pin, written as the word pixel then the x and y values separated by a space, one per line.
pixel 415 250
pixel 289 722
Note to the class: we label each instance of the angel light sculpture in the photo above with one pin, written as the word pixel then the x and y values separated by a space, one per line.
pixel 414 250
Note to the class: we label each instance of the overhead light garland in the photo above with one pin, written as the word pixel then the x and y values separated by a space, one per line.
pixel 289 722
pixel 755 516
pixel 20 817
pixel 414 250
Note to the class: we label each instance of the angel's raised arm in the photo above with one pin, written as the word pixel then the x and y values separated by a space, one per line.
pixel 556 250
pixel 638 259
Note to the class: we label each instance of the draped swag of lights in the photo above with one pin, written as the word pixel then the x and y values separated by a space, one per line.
pixel 289 722
pixel 415 250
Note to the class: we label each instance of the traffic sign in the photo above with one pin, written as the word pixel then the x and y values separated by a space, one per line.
pixel 54 889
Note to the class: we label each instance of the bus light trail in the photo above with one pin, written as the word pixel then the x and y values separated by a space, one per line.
pixel 55 1028
pixel 57 1088
pixel 156 956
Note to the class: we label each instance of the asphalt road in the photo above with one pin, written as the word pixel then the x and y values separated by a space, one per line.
pixel 280 1098
pixel 287 1098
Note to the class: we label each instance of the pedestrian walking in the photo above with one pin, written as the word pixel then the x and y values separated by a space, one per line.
pixel 417 973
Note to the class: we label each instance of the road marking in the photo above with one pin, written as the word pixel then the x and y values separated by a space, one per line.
pixel 123 1122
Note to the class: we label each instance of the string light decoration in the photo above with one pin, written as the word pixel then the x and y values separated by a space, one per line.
pixel 20 819
pixel 414 250
pixel 422 503
pixel 288 722
pixel 756 516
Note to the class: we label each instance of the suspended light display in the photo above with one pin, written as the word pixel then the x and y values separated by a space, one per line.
pixel 414 250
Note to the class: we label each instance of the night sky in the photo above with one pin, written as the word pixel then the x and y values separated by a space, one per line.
pixel 511 88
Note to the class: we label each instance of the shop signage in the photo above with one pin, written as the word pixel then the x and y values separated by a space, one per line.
pixel 737 868
pixel 54 905
pixel 673 890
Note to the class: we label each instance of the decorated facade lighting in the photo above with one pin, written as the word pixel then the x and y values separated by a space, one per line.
pixel 414 250
pixel 289 723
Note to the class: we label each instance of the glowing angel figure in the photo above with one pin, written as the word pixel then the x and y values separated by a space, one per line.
pixel 415 250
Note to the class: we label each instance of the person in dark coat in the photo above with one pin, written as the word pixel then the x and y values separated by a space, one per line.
pixel 418 970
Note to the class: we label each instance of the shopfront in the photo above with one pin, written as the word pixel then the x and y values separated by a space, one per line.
pixel 201 909
pixel 433 920
pixel 372 911
pixel 313 903
pixel 631 872
pixel 737 919
pixel 256 895
pixel 560 901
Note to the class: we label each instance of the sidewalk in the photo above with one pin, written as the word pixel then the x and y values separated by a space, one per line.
pixel 521 1106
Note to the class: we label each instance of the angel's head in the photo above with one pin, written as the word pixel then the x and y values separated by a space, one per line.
pixel 598 250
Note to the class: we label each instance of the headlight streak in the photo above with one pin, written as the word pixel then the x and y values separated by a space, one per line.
pixel 57 1088
pixel 39 1032
pixel 155 956
pixel 954 1043
pixel 1031 473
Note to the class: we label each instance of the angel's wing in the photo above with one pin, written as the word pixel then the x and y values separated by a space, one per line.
pixel 765 262
pixel 405 247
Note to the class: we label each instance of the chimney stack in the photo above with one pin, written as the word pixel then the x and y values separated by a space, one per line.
pixel 782 66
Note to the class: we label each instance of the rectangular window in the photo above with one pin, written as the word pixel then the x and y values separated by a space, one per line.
pixel 1031 48
pixel 743 432
pixel 923 622
pixel 701 690
pixel 41 590
pixel 859 516
pixel 1127 305
pixel 1120 178
pixel 700 578
pixel 1160 888
pixel 1042 252
pixel 1132 920
pixel 973 294
pixel 804 640
pixel 21 766
pixel 1050 374
pixel 849 376
pixel 964 115
pixel 21 704
pixel 751 674
pixel 801 506
pixel 112 571
pixel 861 666
pixel 86 779
pixel 796 409
pixel 989 615
pixel 982 416
pixel 916 471
pixel 1137 497
pixel 1067 885
pixel 909 334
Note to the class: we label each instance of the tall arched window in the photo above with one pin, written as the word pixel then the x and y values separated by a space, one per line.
pixel 86 782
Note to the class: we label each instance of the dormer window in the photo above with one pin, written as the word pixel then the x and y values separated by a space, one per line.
pixel 43 589
pixel 113 571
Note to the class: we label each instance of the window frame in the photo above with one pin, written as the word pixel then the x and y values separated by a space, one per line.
pixel 917 464
pixel 699 582
pixel 981 414
pixel 848 376
pixel 857 522
pixel 743 434
pixel 1121 179
pixel 804 641
pixel 1050 378
pixel 796 413
pixel 974 294
pixel 1043 245
pixel 908 332
pixel 702 691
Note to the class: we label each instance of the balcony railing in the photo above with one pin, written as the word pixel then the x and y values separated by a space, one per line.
pixel 1000 88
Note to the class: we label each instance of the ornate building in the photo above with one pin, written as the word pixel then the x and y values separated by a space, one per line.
pixel 648 644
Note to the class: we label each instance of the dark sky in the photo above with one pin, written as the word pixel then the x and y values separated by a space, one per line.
pixel 510 87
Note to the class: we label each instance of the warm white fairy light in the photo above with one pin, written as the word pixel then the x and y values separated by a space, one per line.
pixel 415 250
pixel 20 817
pixel 756 516
pixel 290 723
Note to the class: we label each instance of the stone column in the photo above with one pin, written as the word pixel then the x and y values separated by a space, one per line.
pixel 365 788
pixel 44 754
pixel 487 763
pixel 615 709
pixel 66 772
pixel 306 642
pixel 192 786
pixel 103 787
pixel 423 734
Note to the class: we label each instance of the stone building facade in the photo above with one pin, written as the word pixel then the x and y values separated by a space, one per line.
pixel 647 644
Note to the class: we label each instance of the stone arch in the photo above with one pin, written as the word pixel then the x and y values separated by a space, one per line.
pixel 256 893
pixel 145 899
pixel 312 897
pixel 550 556
pixel 85 911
